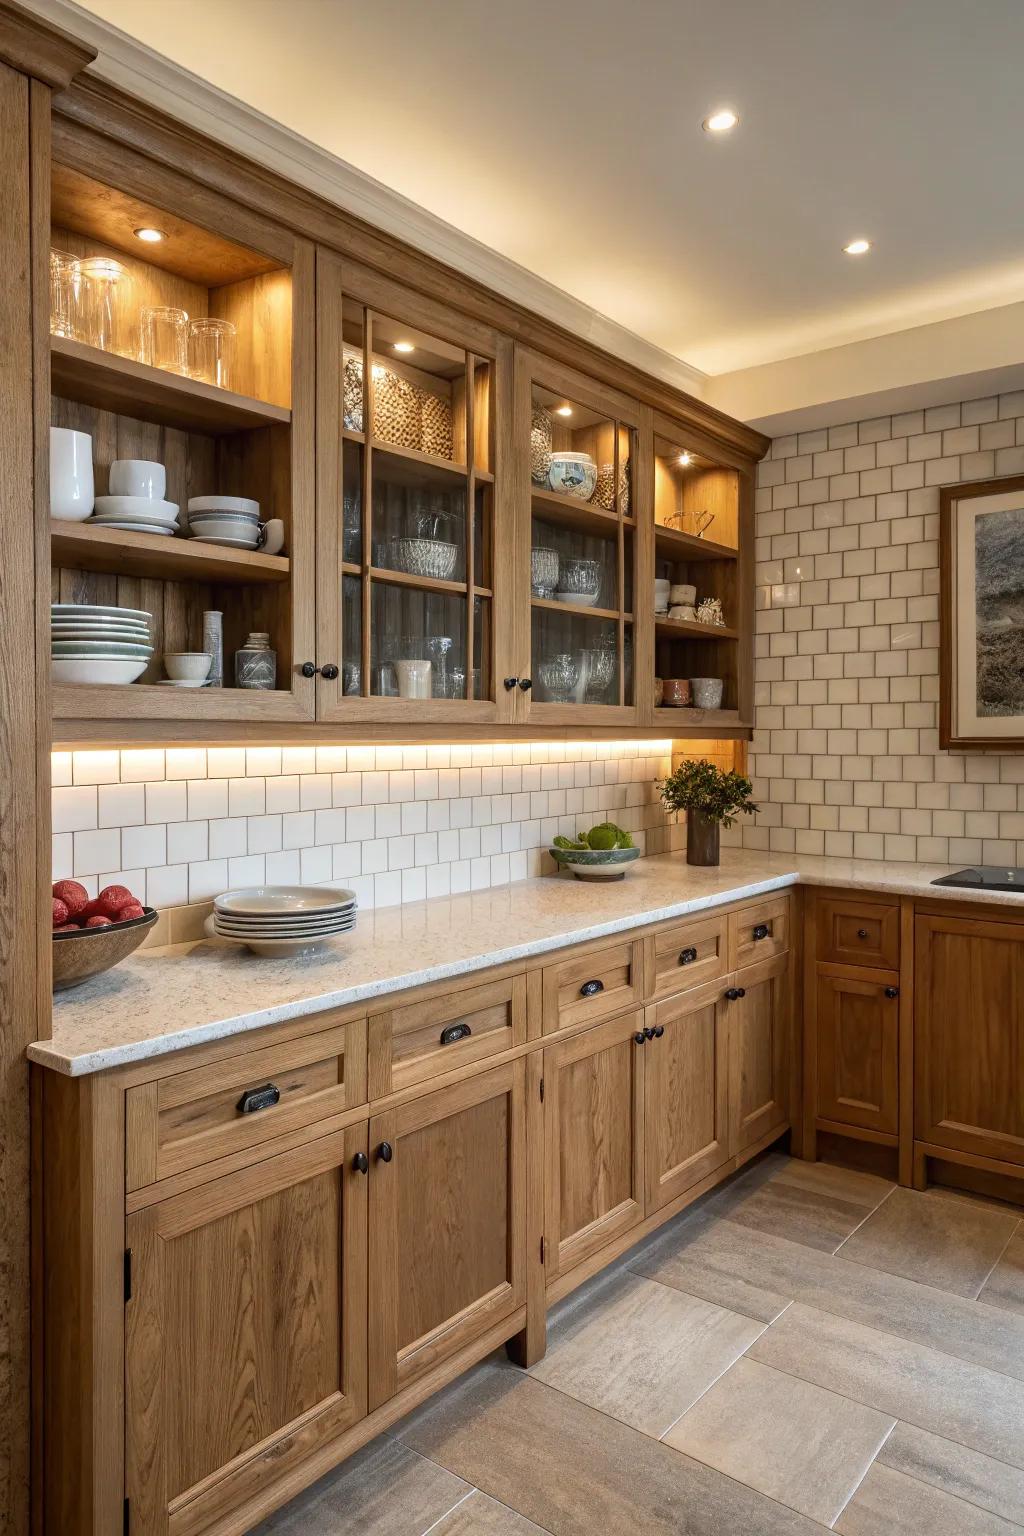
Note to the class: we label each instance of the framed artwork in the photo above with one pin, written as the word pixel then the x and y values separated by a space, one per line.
pixel 981 628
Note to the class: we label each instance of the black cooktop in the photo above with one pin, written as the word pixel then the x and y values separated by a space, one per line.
pixel 990 877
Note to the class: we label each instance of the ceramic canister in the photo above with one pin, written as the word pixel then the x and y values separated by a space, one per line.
pixel 707 692
pixel 71 478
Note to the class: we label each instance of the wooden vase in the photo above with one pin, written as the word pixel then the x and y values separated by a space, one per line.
pixel 702 833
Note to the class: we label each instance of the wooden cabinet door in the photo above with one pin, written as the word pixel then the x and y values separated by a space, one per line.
pixel 969 1036
pixel 447 1223
pixel 857 1023
pixel 686 1093
pixel 594 1142
pixel 245 1342
pixel 759 1034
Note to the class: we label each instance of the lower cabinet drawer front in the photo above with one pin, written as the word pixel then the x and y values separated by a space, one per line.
pixel 239 1104
pixel 593 986
pixel 419 1041
pixel 759 931
pixel 686 955
pixel 858 933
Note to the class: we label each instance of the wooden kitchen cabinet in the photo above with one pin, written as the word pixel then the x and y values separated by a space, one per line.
pixel 857 1026
pixel 759 1033
pixel 594 1141
pixel 686 1092
pixel 245 1331
pixel 969 1036
pixel 447 1257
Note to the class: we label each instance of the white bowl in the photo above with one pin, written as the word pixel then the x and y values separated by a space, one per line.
pixel 270 948
pixel 275 900
pixel 193 665
pixel 138 477
pixel 578 599
pixel 223 504
pixel 96 669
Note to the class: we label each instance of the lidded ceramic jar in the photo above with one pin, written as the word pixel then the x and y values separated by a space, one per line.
pixel 256 663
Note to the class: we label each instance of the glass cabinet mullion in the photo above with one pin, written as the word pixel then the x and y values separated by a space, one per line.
pixel 370 424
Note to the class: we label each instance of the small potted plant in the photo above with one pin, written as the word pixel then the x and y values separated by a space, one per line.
pixel 711 799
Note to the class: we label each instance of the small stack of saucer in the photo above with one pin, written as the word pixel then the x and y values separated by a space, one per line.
pixel 91 643
pixel 230 520
pixel 282 919
pixel 136 503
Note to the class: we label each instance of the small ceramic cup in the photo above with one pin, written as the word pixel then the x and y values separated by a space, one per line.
pixel 676 691
pixel 273 536
pixel 71 479
pixel 662 588
pixel 683 611
pixel 414 679
pixel 707 692
pixel 188 666
pixel 138 477
pixel 682 593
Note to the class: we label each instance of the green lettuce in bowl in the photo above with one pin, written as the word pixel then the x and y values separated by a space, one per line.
pixel 600 854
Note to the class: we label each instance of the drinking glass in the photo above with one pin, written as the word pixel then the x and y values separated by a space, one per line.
pixel 62 293
pixel 164 338
pixel 211 350
pixel 100 316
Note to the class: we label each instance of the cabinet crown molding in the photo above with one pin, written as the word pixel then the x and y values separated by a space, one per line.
pixel 39 48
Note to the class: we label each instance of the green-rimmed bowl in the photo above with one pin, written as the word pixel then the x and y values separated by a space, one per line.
pixel 595 863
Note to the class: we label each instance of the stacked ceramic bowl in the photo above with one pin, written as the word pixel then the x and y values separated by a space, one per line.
pixel 95 644
pixel 136 503
pixel 230 520
pixel 282 919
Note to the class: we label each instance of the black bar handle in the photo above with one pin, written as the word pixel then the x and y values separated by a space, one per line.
pixel 255 1099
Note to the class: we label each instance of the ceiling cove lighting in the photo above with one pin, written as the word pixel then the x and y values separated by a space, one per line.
pixel 563 410
pixel 720 121
pixel 149 235
pixel 858 247
pixel 404 346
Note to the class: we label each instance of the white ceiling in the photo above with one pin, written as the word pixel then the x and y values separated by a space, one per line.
pixel 566 135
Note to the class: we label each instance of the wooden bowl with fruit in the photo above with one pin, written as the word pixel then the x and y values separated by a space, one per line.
pixel 93 933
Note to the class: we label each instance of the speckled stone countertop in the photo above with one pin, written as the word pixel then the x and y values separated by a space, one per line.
pixel 162 1000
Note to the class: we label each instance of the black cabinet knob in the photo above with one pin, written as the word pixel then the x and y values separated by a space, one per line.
pixel 862 933
pixel 526 683
pixel 308 669
pixel 510 683
pixel 761 931
pixel 385 1152
pixel 659 1030
pixel 361 1162
pixel 648 1032
pixel 640 1038
pixel 687 956
pixel 329 672
pixel 591 988
pixel 892 991
pixel 732 993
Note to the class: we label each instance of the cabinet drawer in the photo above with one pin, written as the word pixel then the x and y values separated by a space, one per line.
pixel 593 985
pixel 858 933
pixel 685 955
pixel 238 1105
pixel 759 931
pixel 412 1044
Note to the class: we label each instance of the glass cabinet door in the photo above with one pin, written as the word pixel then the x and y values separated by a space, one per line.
pixel 582 498
pixel 407 507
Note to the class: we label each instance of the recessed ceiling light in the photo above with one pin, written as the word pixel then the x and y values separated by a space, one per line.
pixel 720 121
pixel 685 459
pixel 149 235
pixel 404 346
pixel 858 247
pixel 563 410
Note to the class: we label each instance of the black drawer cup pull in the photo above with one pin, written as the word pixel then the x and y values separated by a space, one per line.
pixel 862 933
pixel 892 992
pixel 454 1032
pixel 255 1099
pixel 687 956
pixel 591 988
pixel 761 931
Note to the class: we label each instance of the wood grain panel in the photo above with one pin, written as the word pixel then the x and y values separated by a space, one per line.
pixel 686 1093
pixel 759 931
pixel 858 933
pixel 684 955
pixel 406 1044
pixel 759 1030
pixel 592 984
pixel 857 1052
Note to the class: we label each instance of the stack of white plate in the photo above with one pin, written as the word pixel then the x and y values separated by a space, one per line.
pixel 282 919
pixel 137 514
pixel 230 520
pixel 90 643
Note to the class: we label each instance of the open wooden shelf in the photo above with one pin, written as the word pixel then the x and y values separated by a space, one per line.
pixel 90 547
pixel 673 544
pixel 119 384
pixel 672 629
pixel 550 606
pixel 410 464
pixel 581 516
pixel 383 573
pixel 686 716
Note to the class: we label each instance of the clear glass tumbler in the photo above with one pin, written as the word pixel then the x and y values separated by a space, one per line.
pixel 103 291
pixel 62 293
pixel 163 334
pixel 211 350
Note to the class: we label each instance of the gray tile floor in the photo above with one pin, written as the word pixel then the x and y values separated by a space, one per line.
pixel 808 1349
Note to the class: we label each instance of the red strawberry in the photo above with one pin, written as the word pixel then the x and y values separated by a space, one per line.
pixel 72 894
pixel 129 910
pixel 111 899
pixel 60 912
pixel 99 921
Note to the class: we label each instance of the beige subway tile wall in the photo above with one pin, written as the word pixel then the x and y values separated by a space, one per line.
pixel 845 756
pixel 393 824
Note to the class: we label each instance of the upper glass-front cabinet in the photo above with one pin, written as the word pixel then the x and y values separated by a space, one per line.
pixel 411 626
pixel 582 497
